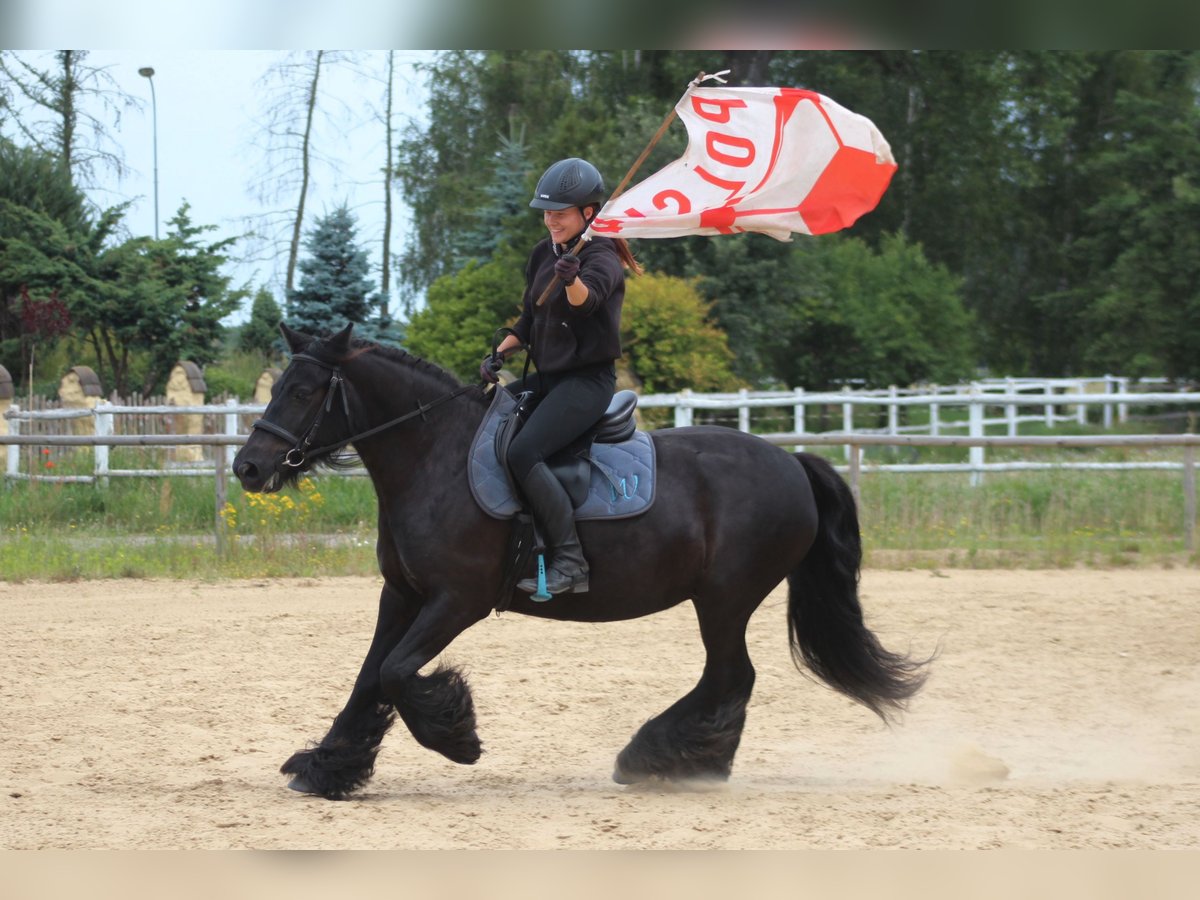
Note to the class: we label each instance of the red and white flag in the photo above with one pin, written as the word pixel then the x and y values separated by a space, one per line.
pixel 771 160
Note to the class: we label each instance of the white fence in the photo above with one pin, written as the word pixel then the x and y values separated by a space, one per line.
pixel 968 410
pixel 1044 401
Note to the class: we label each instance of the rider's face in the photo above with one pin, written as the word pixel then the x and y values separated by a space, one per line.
pixel 563 224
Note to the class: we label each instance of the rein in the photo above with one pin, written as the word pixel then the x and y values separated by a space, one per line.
pixel 337 383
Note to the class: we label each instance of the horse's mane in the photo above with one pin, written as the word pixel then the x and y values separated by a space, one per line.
pixel 402 357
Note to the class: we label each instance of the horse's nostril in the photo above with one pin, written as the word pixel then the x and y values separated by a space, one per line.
pixel 245 470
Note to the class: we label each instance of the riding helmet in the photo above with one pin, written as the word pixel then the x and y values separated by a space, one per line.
pixel 567 183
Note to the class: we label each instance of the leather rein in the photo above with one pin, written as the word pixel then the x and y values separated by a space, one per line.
pixel 337 384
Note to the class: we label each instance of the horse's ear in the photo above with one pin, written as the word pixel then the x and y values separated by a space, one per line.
pixel 296 341
pixel 339 344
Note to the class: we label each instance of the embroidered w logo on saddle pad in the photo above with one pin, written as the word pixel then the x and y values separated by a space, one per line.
pixel 609 477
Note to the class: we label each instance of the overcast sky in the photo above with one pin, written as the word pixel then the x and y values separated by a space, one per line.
pixel 210 109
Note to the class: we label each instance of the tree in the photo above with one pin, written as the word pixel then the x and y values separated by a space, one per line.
pixel 455 328
pixel 1141 295
pixel 477 100
pixel 290 125
pixel 503 212
pixel 334 285
pixel 261 333
pixel 389 177
pixel 153 303
pixel 47 234
pixel 669 340
pixel 53 114
pixel 885 317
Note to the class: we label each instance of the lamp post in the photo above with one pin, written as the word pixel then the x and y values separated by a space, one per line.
pixel 148 73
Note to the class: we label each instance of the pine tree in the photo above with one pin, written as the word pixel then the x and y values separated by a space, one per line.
pixel 505 208
pixel 334 285
pixel 261 333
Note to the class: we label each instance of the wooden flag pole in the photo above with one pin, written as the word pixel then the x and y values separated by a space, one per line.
pixel 637 164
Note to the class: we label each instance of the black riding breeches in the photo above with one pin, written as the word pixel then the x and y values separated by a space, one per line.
pixel 564 407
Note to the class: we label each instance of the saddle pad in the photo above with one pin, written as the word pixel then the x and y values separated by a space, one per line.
pixel 622 475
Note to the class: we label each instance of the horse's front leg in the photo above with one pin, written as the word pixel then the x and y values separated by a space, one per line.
pixel 344 760
pixel 437 708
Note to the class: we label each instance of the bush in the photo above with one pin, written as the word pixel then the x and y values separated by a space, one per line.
pixel 236 374
pixel 463 311
pixel 668 339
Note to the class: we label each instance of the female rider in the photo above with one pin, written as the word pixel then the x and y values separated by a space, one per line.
pixel 574 340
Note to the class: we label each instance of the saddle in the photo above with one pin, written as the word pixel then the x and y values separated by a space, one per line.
pixel 608 472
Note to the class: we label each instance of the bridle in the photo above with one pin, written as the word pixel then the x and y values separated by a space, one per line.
pixel 337 385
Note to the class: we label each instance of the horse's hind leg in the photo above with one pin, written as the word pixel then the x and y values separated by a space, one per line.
pixel 697 737
pixel 344 759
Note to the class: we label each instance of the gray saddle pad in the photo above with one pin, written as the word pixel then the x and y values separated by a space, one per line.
pixel 622 475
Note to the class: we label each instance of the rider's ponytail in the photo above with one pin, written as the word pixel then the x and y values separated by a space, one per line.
pixel 628 260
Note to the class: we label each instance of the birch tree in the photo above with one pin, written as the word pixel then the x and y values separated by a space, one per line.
pixel 294 105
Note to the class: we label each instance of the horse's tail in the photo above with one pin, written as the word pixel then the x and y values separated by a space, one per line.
pixel 825 621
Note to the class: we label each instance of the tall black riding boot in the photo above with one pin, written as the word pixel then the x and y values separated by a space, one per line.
pixel 566 570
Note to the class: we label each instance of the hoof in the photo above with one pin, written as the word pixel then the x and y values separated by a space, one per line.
pixel 301 786
pixel 622 776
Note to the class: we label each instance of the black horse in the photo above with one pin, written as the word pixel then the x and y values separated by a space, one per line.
pixel 732 517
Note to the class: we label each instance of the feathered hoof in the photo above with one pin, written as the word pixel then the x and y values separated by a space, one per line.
pixel 620 777
pixel 301 786
pixel 627 771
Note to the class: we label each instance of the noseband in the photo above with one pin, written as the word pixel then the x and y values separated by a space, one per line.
pixel 299 452
pixel 337 385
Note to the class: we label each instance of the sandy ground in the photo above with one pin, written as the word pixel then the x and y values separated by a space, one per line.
pixel 1062 713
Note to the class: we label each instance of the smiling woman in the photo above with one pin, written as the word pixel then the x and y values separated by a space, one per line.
pixel 571 325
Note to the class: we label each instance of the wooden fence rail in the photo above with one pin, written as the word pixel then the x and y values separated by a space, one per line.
pixel 854 442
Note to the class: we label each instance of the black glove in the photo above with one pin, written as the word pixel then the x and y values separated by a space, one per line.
pixel 567 268
pixel 490 367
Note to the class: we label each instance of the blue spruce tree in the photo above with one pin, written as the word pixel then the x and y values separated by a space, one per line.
pixel 504 211
pixel 334 286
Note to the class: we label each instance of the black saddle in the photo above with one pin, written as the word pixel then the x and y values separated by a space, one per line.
pixel 617 424
pixel 572 464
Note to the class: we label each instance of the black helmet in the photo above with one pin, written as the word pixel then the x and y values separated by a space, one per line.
pixel 567 183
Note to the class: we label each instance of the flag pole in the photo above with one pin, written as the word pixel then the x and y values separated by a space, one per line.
pixel 637 164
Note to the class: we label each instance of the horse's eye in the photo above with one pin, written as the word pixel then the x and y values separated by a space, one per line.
pixel 301 393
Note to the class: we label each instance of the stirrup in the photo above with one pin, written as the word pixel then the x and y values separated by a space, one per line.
pixel 541 595
pixel 538 589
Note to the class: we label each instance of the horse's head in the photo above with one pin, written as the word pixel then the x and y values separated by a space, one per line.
pixel 308 411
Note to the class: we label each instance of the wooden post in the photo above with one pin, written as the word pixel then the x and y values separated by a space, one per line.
pixel 855 469
pixel 231 428
pixel 6 400
pixel 104 428
pixel 743 411
pixel 12 463
pixel 1010 409
pixel 798 418
pixel 975 429
pixel 1189 498
pixel 222 496
pixel 683 408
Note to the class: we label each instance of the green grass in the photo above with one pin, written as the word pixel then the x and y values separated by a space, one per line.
pixel 167 527
pixel 1030 519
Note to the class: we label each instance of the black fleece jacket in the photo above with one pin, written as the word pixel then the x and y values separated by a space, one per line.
pixel 563 337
